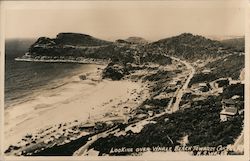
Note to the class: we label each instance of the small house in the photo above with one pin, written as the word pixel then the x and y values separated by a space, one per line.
pixel 173 83
pixel 228 113
pixel 235 97
pixel 151 113
pixel 202 84
pixel 227 103
pixel 206 71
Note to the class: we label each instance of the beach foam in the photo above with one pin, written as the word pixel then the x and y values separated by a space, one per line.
pixel 75 100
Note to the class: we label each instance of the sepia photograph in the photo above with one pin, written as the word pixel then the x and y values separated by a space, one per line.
pixel 137 79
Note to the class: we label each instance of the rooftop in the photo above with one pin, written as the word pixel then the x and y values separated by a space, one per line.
pixel 228 101
pixel 229 111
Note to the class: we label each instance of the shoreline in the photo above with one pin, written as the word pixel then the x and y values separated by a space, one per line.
pixel 49 60
pixel 51 84
pixel 101 110
pixel 60 105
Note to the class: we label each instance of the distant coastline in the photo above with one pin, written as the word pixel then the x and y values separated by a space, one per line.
pixel 169 93
pixel 80 60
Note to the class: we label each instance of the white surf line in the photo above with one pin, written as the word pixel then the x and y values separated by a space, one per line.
pixel 85 61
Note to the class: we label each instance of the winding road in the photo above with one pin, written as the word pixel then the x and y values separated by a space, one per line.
pixel 182 90
pixel 175 107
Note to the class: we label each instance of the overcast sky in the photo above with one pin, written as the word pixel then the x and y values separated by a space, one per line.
pixel 113 20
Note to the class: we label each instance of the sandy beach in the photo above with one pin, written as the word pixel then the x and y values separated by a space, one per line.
pixel 78 99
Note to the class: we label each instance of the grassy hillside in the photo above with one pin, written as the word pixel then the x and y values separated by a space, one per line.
pixel 230 66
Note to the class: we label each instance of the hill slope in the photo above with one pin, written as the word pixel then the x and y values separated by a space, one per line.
pixel 238 43
pixel 191 47
pixel 185 46
pixel 136 40
pixel 74 39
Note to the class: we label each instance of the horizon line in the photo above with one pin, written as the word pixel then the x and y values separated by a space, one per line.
pixel 213 37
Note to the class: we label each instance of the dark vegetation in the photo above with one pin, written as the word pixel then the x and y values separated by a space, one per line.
pixel 76 39
pixel 100 52
pixel 187 46
pixel 155 58
pixel 63 150
pixel 159 75
pixel 132 40
pixel 191 47
pixel 223 82
pixel 136 40
pixel 118 68
pixel 234 89
pixel 186 98
pixel 68 149
pixel 154 105
pixel 230 66
pixel 201 77
pixel 114 72
pixel 157 102
pixel 122 41
pixel 201 123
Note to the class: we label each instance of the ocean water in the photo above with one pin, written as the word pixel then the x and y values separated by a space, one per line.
pixel 23 80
